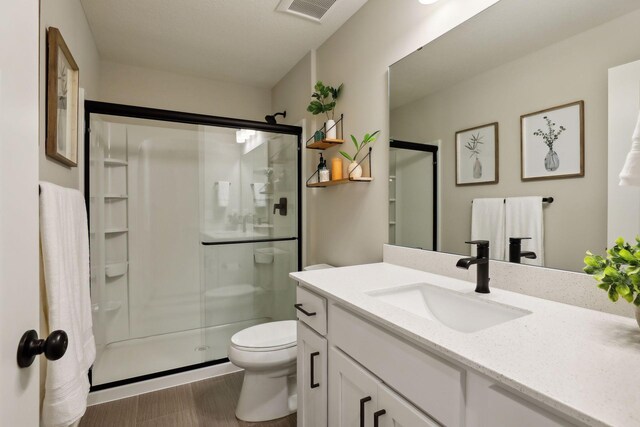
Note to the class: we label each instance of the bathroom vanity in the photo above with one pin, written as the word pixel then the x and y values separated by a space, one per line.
pixel 383 345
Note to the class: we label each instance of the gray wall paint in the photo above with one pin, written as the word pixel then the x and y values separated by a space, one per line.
pixel 571 70
pixel 350 225
pixel 145 87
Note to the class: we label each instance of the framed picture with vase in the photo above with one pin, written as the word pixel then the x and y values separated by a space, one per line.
pixel 62 101
pixel 552 143
pixel 477 155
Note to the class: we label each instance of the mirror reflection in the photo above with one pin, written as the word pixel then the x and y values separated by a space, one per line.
pixel 520 102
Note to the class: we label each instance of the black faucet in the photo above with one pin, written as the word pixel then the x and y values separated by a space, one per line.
pixel 482 261
pixel 515 250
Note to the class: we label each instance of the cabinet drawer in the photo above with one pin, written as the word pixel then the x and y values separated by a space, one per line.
pixel 312 310
pixel 429 382
pixel 489 404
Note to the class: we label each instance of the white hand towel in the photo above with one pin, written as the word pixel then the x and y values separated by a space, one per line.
pixel 65 252
pixel 223 193
pixel 487 223
pixel 524 219
pixel 630 175
pixel 259 197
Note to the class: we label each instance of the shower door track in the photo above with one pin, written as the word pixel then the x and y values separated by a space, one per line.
pixel 131 111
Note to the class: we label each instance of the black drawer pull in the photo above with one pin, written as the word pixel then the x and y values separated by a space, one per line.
pixel 377 415
pixel 303 311
pixel 313 366
pixel 362 402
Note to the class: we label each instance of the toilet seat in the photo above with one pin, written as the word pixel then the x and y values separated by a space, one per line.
pixel 272 336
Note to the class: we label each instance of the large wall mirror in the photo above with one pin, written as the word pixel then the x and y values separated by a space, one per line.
pixel 530 103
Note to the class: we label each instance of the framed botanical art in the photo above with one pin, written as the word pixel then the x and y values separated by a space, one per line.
pixel 477 155
pixel 552 143
pixel 62 101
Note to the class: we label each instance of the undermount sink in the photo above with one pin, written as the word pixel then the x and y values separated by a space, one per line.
pixel 459 311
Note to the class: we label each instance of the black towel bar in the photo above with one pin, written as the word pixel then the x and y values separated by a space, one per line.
pixel 544 200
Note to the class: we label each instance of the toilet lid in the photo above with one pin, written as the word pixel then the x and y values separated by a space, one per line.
pixel 267 336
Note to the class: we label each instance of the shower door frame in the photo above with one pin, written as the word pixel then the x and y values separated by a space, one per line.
pixel 131 111
pixel 427 148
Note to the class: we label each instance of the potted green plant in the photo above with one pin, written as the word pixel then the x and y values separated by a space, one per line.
pixel 354 170
pixel 619 273
pixel 324 101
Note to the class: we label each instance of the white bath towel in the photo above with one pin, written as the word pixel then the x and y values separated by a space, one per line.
pixel 524 219
pixel 259 196
pixel 224 188
pixel 630 174
pixel 487 223
pixel 65 253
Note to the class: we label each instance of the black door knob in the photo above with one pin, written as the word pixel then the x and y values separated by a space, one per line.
pixel 30 346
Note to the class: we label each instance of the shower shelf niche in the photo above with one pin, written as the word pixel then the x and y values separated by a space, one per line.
pixel 106 307
pixel 116 269
pixel 115 196
pixel 116 230
pixel 115 162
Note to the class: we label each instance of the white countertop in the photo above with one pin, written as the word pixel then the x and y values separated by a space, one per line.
pixel 584 363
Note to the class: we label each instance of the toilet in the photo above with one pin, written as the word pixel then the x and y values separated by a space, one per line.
pixel 268 354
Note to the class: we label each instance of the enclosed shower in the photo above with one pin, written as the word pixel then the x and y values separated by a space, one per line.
pixel 194 227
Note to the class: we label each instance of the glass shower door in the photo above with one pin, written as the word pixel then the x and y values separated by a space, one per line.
pixel 250 234
pixel 192 238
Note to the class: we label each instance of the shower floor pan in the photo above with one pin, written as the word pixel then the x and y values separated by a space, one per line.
pixel 142 356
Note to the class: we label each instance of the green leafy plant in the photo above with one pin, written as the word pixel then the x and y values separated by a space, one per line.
pixel 324 99
pixel 619 273
pixel 549 138
pixel 473 145
pixel 367 139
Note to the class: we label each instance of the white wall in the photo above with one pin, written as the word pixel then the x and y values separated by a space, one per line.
pixel 145 87
pixel 68 16
pixel 579 72
pixel 350 223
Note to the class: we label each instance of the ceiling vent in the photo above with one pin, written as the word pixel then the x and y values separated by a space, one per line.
pixel 314 10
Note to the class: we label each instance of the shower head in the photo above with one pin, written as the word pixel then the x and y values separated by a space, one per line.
pixel 271 119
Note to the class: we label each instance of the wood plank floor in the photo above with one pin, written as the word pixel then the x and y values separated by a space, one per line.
pixel 210 403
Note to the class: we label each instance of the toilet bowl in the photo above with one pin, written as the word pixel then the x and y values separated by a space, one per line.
pixel 267 352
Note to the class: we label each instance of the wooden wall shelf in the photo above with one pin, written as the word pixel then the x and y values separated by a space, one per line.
pixel 325 143
pixel 338 182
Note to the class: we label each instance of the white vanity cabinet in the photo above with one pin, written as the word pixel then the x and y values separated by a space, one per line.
pixel 359 399
pixel 312 378
pixel 368 376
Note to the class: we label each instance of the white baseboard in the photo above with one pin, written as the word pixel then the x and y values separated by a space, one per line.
pixel 142 387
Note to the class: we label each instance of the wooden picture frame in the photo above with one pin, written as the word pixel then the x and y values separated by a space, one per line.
pixel 552 143
pixel 477 155
pixel 62 101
